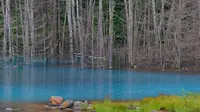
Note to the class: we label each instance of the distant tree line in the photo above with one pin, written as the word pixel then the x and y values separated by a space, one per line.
pixel 101 33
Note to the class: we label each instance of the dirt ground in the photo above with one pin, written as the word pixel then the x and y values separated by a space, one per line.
pixel 28 107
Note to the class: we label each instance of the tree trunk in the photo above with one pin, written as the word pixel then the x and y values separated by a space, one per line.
pixel 69 2
pixel 135 33
pixel 22 26
pixel 8 22
pixel 74 25
pixel 32 26
pixel 159 32
pixel 58 38
pixel 17 36
pixel 100 34
pixel 44 13
pixel 64 26
pixel 129 23
pixel 5 31
pixel 111 10
pixel 176 40
pixel 79 33
pixel 92 34
pixel 26 44
pixel 154 22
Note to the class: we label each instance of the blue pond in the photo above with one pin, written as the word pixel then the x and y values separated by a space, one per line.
pixel 38 83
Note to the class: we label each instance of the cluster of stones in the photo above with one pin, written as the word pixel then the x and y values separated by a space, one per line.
pixel 59 102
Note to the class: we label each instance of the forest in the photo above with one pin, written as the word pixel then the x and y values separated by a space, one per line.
pixel 101 33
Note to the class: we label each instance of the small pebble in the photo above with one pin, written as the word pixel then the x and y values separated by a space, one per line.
pixel 89 106
pixel 8 109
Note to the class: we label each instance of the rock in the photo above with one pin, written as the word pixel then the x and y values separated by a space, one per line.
pixel 86 102
pixel 133 107
pixel 89 106
pixel 77 105
pixel 11 109
pixel 55 100
pixel 8 109
pixel 134 66
pixel 69 110
pixel 93 110
pixel 67 104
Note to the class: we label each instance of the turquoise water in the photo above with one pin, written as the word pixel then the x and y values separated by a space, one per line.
pixel 38 83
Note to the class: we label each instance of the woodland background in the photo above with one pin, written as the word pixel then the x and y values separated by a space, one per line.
pixel 101 33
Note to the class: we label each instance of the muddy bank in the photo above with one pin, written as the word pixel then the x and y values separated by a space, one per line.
pixel 24 107
pixel 184 70
pixel 191 70
pixel 40 106
pixel 30 107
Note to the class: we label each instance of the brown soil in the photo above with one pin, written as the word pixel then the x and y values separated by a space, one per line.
pixel 27 107
pixel 40 106
pixel 31 107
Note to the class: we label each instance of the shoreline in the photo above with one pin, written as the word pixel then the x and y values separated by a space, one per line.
pixel 40 106
pixel 189 71
pixel 186 70
pixel 183 70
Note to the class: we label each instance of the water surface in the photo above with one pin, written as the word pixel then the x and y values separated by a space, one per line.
pixel 38 83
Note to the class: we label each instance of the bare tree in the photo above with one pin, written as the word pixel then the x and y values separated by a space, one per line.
pixel 100 33
pixel 5 31
pixel 80 33
pixel 155 22
pixel 32 26
pixel 153 33
pixel 69 3
pixel 111 10
pixel 26 38
pixel 129 20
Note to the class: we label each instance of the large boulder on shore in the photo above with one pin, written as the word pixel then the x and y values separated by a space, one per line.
pixel 77 105
pixel 55 100
pixel 67 104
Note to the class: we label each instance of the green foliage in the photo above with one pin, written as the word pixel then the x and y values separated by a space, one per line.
pixel 188 103
pixel 112 107
pixel 119 29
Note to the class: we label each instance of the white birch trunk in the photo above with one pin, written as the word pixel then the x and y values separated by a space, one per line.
pixel 69 2
pixel 64 27
pixel 92 34
pixel 111 10
pixel 22 25
pixel 129 23
pixel 8 22
pixel 155 23
pixel 100 33
pixel 26 44
pixel 5 32
pixel 79 32
pixel 74 24
pixel 32 26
